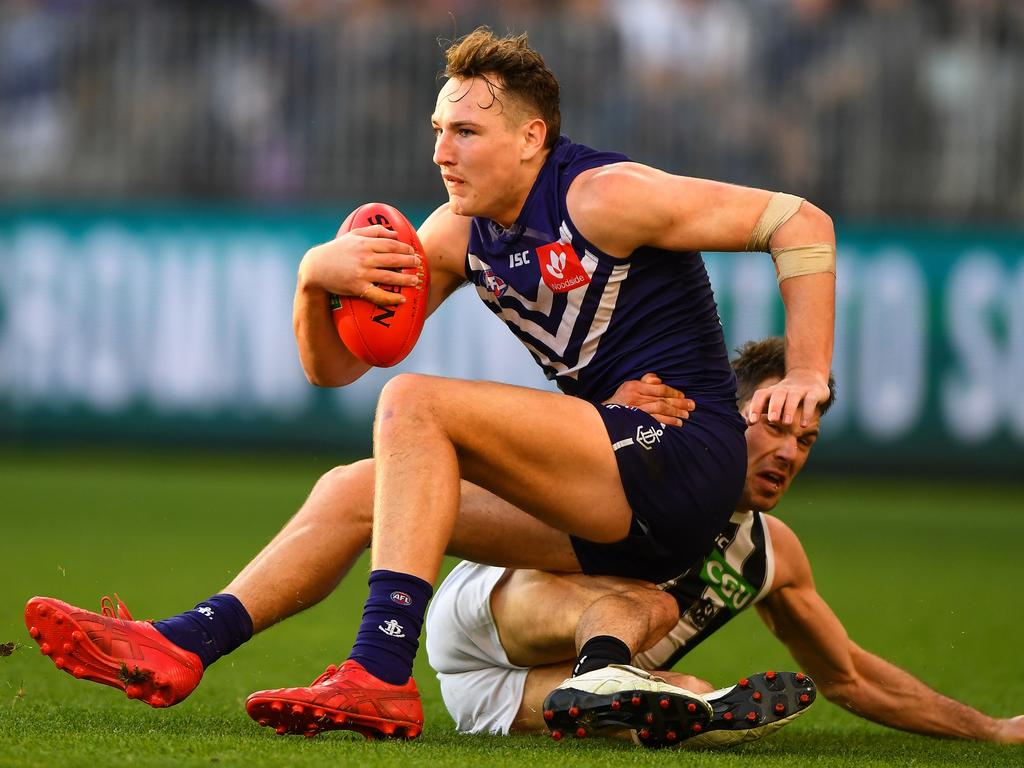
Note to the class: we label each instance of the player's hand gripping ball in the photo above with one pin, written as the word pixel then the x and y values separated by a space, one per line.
pixel 383 336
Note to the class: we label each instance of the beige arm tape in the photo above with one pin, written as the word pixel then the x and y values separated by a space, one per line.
pixel 797 260
pixel 780 209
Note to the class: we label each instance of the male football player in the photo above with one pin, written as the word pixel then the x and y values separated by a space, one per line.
pixel 501 639
pixel 609 285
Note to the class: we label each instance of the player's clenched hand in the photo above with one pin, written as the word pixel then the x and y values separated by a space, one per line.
pixel 664 403
pixel 797 395
pixel 353 264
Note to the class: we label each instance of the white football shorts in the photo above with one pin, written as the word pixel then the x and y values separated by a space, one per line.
pixel 481 688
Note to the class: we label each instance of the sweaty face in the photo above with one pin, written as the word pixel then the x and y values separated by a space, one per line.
pixel 776 452
pixel 481 150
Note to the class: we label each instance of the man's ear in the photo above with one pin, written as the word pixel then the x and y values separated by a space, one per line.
pixel 744 408
pixel 534 133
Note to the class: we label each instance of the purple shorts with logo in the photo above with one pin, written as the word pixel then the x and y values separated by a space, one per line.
pixel 682 484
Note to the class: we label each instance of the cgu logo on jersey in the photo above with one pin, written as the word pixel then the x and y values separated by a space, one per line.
pixel 729 585
pixel 646 437
pixel 494 284
pixel 561 269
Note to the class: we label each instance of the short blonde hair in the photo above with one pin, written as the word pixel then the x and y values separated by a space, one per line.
pixel 510 65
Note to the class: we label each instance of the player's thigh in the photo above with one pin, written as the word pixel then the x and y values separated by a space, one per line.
pixel 343 499
pixel 546 453
pixel 536 613
pixel 492 531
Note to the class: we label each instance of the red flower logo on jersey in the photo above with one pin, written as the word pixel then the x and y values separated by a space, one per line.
pixel 560 267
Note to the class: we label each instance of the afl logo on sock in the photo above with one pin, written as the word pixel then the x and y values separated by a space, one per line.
pixel 401 598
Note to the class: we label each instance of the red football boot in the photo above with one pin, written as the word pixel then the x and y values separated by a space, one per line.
pixel 345 698
pixel 113 649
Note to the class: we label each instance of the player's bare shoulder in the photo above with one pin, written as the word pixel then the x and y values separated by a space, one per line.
pixel 445 238
pixel 616 206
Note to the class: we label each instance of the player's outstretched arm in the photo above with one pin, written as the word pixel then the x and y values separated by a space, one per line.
pixel 855 679
pixel 350 265
pixel 623 206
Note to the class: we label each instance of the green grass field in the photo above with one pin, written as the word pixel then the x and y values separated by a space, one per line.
pixel 925 573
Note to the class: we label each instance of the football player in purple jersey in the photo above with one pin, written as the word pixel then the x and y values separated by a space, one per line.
pixel 598 259
pixel 609 285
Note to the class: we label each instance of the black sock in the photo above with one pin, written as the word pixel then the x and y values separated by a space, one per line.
pixel 598 652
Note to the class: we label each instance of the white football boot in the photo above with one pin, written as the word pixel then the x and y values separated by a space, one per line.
pixel 621 697
pixel 755 707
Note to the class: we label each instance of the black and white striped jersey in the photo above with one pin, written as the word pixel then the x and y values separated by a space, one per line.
pixel 736 574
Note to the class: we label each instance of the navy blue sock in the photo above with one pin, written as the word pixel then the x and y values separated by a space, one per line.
pixel 212 629
pixel 392 619
pixel 598 652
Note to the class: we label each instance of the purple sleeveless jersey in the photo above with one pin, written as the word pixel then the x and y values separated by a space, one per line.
pixel 593 321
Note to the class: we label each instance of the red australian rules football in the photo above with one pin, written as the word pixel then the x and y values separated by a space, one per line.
pixel 383 336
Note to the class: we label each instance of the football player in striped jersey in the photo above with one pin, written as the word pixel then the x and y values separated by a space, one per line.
pixel 501 640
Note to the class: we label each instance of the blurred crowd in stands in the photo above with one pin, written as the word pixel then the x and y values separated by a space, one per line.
pixel 873 108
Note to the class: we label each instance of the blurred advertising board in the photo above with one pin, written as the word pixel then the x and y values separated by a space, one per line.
pixel 174 325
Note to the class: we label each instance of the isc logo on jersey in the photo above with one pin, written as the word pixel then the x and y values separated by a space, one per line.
pixel 560 267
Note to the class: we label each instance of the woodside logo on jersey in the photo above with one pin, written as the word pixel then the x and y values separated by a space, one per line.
pixel 561 269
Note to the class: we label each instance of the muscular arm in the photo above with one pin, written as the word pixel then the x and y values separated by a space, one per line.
pixel 853 678
pixel 347 266
pixel 623 206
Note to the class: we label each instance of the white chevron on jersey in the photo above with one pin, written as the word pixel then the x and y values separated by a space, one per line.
pixel 543 303
pixel 739 549
pixel 602 317
pixel 558 342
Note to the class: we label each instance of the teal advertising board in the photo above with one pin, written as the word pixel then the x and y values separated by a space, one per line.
pixel 174 326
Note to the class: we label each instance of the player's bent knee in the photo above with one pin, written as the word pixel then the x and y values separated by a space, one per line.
pixel 346 478
pixel 346 491
pixel 404 397
pixel 406 388
pixel 662 611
